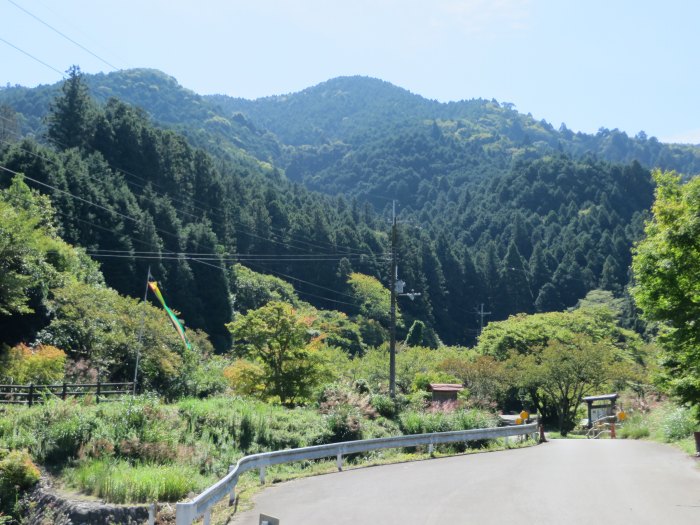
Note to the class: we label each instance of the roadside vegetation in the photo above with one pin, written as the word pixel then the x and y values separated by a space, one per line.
pixel 262 369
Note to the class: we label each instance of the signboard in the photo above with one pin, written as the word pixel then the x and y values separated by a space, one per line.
pixel 599 412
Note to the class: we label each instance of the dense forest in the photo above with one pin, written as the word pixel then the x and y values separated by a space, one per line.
pixel 495 207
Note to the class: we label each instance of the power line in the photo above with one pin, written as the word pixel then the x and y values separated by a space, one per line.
pixel 227 254
pixel 33 57
pixel 152 182
pixel 63 35
pixel 59 190
pixel 303 281
pixel 196 259
pixel 184 212
pixel 199 259
pixel 205 258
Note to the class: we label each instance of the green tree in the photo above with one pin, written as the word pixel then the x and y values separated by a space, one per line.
pixel 522 339
pixel 106 330
pixel 514 278
pixel 253 290
pixel 372 298
pixel 33 261
pixel 564 372
pixel 70 120
pixel 666 267
pixel 277 336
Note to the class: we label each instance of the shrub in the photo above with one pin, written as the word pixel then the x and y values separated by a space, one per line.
pixel 384 405
pixel 21 364
pixel 17 473
pixel 245 378
pixel 634 427
pixel 338 394
pixel 344 423
pixel 422 380
pixel 678 424
pixel 208 377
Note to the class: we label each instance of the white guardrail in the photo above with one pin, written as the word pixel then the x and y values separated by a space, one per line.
pixel 200 506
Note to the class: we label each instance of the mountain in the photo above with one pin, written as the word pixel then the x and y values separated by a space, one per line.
pixel 496 208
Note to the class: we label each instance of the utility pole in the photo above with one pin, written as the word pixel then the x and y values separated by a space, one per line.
pixel 396 290
pixel 392 320
pixel 481 315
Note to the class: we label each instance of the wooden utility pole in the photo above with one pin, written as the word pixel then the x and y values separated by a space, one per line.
pixel 392 288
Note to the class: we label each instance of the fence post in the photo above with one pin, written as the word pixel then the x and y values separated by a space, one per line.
pixel 31 393
pixel 64 391
pixel 97 395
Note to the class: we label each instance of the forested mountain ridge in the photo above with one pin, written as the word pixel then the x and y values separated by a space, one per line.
pixel 502 209
pixel 353 110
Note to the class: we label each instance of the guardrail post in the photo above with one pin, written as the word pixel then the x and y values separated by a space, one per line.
pixel 431 449
pixel 31 393
pixel 152 514
pixel 207 518
pixel 339 462
pixel 262 475
pixel 232 494
pixel 184 514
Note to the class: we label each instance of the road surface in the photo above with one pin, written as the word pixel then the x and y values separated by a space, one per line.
pixel 570 482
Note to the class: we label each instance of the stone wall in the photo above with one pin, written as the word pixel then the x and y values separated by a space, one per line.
pixel 45 506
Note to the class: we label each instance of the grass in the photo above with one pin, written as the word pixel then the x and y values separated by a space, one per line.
pixel 141 450
pixel 121 482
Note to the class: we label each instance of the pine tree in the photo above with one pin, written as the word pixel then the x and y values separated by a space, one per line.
pixel 70 121
pixel 516 288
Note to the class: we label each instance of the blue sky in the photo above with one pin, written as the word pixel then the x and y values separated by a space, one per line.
pixel 627 64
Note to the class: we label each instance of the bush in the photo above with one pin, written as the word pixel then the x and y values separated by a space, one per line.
pixel 209 377
pixel 245 378
pixel 21 364
pixel 17 473
pixel 634 427
pixel 344 423
pixel 678 424
pixel 384 405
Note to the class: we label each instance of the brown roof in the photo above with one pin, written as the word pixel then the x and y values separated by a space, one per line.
pixel 445 387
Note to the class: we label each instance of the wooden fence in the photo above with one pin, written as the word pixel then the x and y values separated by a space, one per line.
pixel 30 394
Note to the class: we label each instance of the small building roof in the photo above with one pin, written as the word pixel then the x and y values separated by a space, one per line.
pixel 445 387
pixel 606 397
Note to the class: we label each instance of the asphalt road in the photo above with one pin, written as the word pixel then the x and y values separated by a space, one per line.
pixel 562 482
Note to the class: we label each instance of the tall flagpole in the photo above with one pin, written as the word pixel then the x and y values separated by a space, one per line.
pixel 143 322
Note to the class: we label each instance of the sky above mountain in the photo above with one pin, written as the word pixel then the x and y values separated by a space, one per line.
pixel 627 64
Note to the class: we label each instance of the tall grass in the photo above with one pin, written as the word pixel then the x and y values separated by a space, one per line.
pixel 416 422
pixel 141 449
pixel 121 482
pixel 636 426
